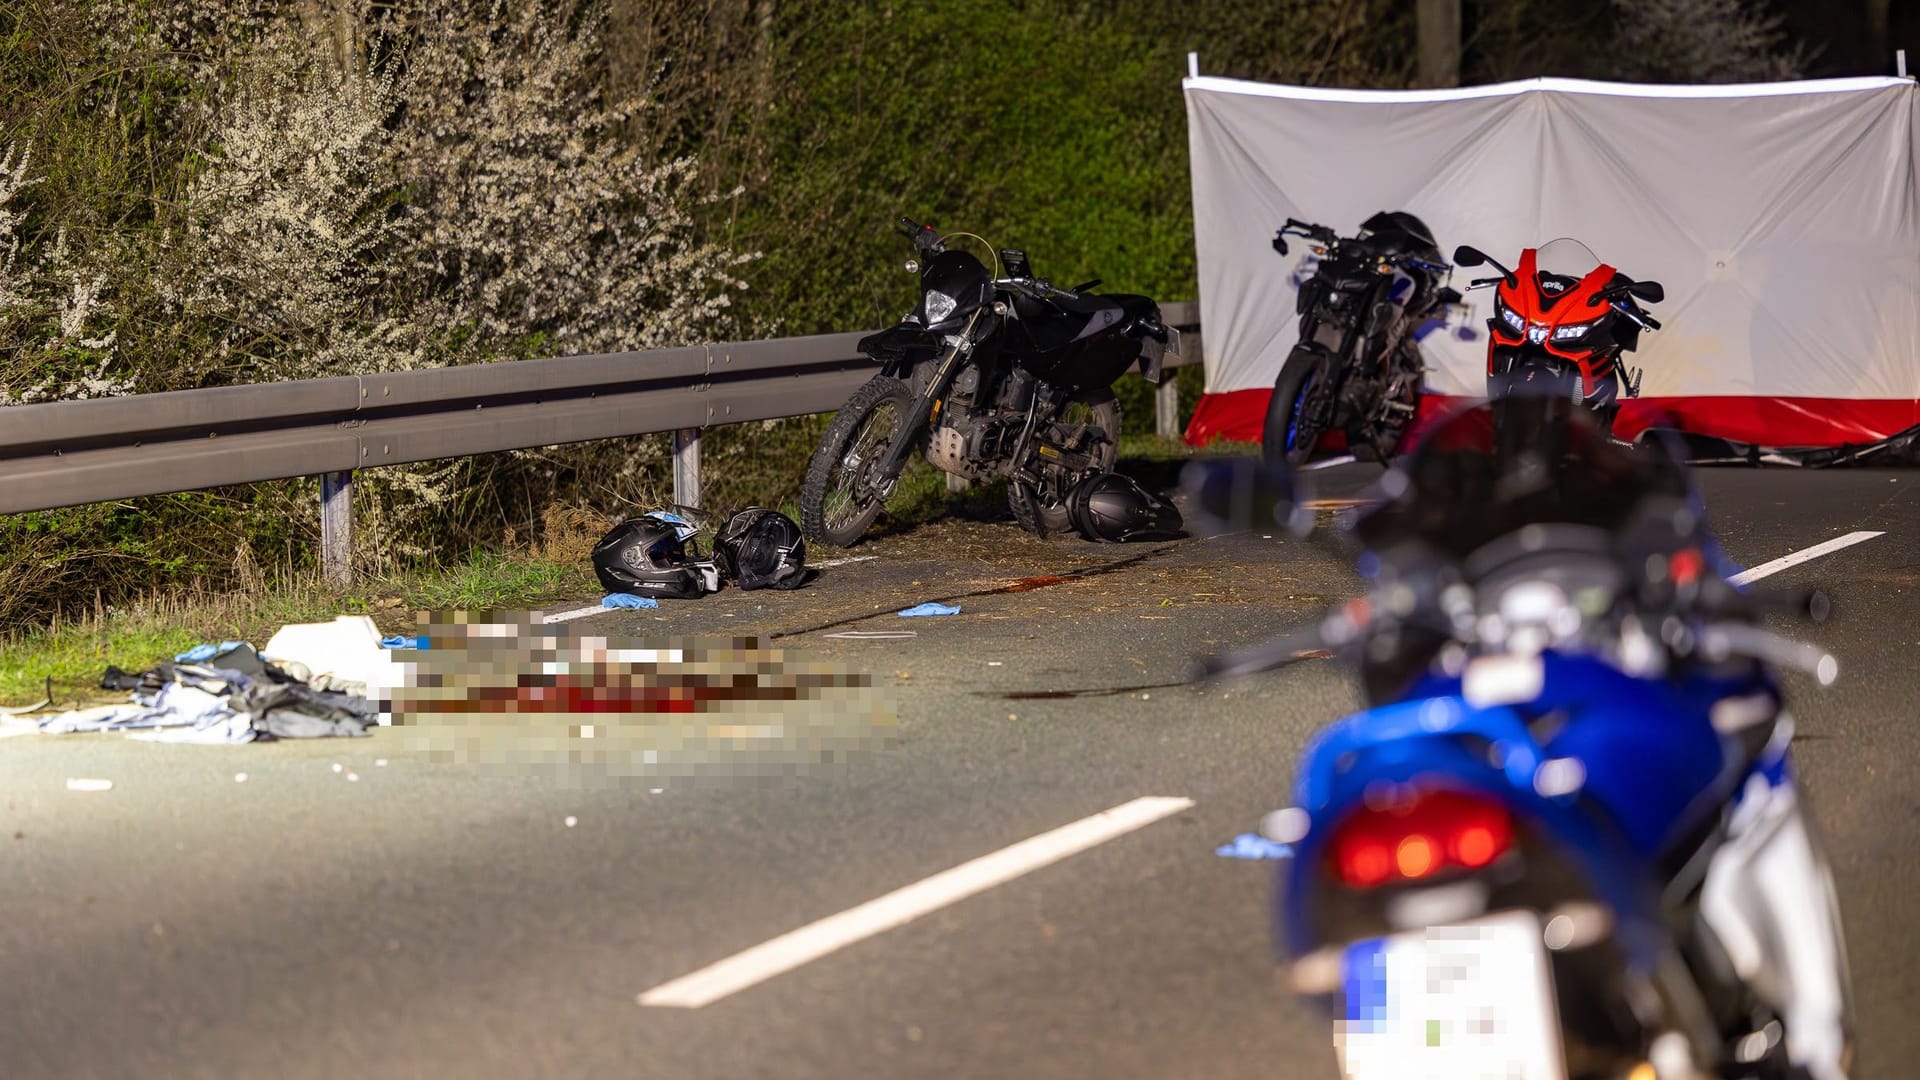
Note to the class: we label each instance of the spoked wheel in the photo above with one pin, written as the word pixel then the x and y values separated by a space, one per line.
pixel 841 495
pixel 1040 512
pixel 1296 414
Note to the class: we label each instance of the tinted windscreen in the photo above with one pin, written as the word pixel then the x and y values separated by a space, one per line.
pixel 1455 494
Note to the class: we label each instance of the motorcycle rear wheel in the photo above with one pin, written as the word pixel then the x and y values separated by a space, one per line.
pixel 839 500
pixel 1095 408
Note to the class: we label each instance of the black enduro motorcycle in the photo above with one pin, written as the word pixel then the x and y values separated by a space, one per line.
pixel 989 375
pixel 1356 366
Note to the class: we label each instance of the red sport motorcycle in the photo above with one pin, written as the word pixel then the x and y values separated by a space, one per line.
pixel 1561 320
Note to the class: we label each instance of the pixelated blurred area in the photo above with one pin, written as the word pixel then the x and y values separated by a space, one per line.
pixel 514 692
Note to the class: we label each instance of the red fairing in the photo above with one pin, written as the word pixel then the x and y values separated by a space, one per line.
pixel 1579 304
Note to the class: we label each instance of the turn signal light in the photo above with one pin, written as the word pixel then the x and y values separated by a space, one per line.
pixel 1420 837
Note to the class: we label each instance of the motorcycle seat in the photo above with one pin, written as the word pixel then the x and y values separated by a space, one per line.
pixel 1130 306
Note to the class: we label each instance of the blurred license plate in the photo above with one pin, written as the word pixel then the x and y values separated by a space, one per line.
pixel 1468 1002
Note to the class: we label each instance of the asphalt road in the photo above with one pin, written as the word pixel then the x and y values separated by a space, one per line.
pixel 438 918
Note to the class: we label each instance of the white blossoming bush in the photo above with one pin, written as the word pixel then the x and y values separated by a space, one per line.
pixel 1711 41
pixel 50 308
pixel 271 192
pixel 283 234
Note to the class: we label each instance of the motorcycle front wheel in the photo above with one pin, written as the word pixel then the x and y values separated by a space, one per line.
pixel 1295 417
pixel 841 497
pixel 1034 511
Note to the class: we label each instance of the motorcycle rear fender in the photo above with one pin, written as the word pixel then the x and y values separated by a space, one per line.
pixel 1443 738
pixel 1155 340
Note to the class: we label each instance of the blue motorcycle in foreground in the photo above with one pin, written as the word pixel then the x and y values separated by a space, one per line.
pixel 1564 840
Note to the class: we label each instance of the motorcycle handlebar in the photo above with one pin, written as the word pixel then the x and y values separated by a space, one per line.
pixel 923 236
pixel 1721 599
pixel 1722 640
pixel 1644 321
pixel 1310 231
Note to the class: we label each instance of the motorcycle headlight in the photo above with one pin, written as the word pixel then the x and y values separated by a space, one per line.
pixel 939 306
pixel 1568 333
pixel 1512 318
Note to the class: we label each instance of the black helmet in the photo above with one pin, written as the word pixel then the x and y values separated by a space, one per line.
pixel 1109 506
pixel 653 555
pixel 758 548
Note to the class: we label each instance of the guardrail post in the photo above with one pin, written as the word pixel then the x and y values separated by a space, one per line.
pixel 686 467
pixel 1166 406
pixel 336 527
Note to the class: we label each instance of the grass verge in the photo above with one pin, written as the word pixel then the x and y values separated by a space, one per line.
pixel 72 653
pixel 75 650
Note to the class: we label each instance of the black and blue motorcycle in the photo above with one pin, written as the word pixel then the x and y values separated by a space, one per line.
pixel 1356 368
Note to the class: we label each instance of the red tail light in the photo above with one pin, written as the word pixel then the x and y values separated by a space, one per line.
pixel 1420 837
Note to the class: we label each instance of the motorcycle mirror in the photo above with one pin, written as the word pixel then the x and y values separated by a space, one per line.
pixel 1234 494
pixel 1468 256
pixel 1448 296
pixel 1279 243
pixel 1650 291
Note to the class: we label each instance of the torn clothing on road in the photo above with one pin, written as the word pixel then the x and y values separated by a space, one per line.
pixel 250 701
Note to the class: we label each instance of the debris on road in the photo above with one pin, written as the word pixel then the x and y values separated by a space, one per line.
pixel 208 651
pixel 628 600
pixel 874 635
pixel 572 821
pixel 89 785
pixel 846 561
pixel 1254 846
pixel 234 695
pixel 344 655
pixel 930 608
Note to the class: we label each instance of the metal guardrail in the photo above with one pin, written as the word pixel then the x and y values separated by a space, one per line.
pixel 72 453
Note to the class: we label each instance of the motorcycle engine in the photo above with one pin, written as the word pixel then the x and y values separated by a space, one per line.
pixel 952 444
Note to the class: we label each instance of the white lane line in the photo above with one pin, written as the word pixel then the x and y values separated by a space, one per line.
pixel 1798 557
pixel 816 940
pixel 1328 463
pixel 577 613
